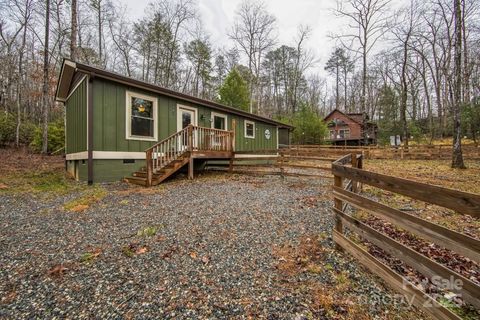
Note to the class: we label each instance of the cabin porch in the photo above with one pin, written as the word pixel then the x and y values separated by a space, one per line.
pixel 170 155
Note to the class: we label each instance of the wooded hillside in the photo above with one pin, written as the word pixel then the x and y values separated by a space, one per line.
pixel 413 66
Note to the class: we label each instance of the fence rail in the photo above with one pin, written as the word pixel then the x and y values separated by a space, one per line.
pixel 348 171
pixel 414 152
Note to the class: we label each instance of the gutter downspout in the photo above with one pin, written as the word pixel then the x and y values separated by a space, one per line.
pixel 90 129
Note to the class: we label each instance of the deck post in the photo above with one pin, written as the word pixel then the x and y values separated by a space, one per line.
pixel 232 146
pixel 190 167
pixel 149 160
pixel 190 137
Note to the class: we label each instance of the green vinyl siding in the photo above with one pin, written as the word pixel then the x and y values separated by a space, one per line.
pixel 76 119
pixel 114 170
pixel 259 142
pixel 109 105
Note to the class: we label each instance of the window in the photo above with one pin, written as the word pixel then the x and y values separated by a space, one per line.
pixel 249 129
pixel 344 133
pixel 141 117
pixel 219 121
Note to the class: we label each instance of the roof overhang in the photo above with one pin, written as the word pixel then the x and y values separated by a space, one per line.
pixel 64 80
pixel 69 68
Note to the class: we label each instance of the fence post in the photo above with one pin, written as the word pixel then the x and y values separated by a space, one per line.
pixel 338 182
pixel 354 165
pixel 282 169
pixel 149 160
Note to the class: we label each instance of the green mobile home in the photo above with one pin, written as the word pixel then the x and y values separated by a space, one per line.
pixel 116 126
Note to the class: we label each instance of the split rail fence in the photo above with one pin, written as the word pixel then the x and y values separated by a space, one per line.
pixel 413 152
pixel 348 176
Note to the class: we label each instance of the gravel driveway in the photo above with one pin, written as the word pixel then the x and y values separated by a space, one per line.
pixel 219 246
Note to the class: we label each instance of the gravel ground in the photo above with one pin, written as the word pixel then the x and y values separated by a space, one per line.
pixel 214 247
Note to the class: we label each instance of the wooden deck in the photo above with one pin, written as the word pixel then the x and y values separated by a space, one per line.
pixel 168 156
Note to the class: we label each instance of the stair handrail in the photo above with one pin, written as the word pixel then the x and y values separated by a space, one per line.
pixel 168 150
pixel 171 148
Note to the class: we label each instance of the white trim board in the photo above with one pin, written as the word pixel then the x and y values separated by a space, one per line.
pixel 76 87
pixel 107 155
pixel 120 155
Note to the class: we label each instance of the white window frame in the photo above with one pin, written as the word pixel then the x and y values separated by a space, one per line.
pixel 220 115
pixel 128 116
pixel 245 122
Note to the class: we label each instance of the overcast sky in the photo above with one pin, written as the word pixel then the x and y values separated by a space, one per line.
pixel 218 16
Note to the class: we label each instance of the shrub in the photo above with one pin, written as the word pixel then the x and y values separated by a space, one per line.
pixel 7 129
pixel 56 137
pixel 27 132
pixel 309 127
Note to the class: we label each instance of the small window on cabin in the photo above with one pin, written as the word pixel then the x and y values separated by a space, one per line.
pixel 219 121
pixel 141 116
pixel 249 129
pixel 344 133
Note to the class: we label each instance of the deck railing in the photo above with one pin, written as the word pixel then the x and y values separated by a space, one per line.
pixel 191 138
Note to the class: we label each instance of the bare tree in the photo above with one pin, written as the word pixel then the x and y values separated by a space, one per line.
pixel 73 31
pixel 304 60
pixel 25 10
pixel 457 156
pixel 253 33
pixel 403 31
pixel 46 104
pixel 367 22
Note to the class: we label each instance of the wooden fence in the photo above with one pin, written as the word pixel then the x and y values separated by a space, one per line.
pixel 276 162
pixel 348 175
pixel 414 152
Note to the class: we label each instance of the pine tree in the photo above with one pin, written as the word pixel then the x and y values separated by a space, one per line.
pixel 234 91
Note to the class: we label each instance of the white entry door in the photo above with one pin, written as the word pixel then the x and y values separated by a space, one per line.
pixel 185 117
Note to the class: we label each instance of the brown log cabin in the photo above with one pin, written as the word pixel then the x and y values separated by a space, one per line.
pixel 350 128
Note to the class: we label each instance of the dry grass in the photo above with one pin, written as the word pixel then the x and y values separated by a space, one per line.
pixel 86 199
pixel 24 172
pixel 333 299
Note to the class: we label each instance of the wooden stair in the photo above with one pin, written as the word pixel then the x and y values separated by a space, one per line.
pixel 168 156
pixel 158 176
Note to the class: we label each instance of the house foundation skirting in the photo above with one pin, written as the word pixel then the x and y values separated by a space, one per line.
pixel 106 155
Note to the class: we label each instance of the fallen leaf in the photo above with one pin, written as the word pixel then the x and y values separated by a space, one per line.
pixel 3 186
pixel 141 250
pixel 57 270
pixel 79 208
pixel 193 255
pixel 205 259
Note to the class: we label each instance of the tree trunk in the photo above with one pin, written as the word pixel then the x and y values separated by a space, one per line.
pixel 345 88
pixel 74 31
pixel 457 156
pixel 20 76
pixel 337 85
pixel 100 53
pixel 363 98
pixel 45 80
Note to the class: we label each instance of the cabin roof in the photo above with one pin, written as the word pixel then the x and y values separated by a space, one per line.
pixel 353 116
pixel 70 68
